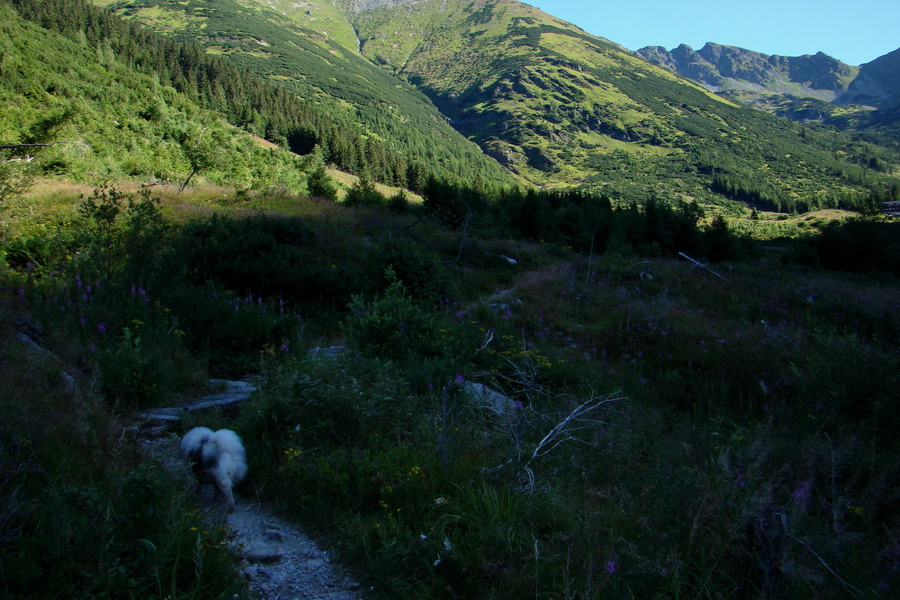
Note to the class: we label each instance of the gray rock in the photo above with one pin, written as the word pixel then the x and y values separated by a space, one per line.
pixel 485 397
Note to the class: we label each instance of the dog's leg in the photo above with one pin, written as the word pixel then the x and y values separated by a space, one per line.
pixel 224 485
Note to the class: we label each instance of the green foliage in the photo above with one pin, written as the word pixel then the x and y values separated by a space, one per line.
pixel 141 540
pixel 116 117
pixel 15 179
pixel 260 94
pixel 202 154
pixel 363 193
pixel 320 185
pixel 393 326
pixel 857 245
pixel 78 504
pixel 268 257
pixel 740 393
pixel 401 259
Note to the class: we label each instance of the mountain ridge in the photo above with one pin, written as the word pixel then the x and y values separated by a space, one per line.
pixel 552 104
pixel 808 88
pixel 722 68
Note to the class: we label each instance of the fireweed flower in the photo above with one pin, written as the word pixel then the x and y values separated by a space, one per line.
pixel 802 494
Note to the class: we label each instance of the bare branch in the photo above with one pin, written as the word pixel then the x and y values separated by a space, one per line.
pixel 562 432
pixel 700 264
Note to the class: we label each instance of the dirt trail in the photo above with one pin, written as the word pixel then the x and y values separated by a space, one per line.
pixel 279 561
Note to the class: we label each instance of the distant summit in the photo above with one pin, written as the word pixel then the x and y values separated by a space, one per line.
pixel 878 83
pixel 750 76
pixel 812 87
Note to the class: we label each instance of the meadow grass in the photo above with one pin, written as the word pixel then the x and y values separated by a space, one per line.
pixel 746 446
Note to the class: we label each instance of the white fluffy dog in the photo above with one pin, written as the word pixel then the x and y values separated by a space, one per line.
pixel 216 457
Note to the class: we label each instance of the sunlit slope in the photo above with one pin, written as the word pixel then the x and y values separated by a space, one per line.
pixel 315 56
pixel 562 107
pixel 87 115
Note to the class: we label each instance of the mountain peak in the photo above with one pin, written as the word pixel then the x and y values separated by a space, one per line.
pixel 752 75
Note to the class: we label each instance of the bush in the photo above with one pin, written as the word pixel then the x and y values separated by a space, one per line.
pixel 320 185
pixel 393 326
pixel 363 193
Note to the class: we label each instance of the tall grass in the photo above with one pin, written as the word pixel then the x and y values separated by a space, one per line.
pixel 749 451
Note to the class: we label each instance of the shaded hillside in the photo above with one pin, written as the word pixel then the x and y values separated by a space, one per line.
pixel 878 83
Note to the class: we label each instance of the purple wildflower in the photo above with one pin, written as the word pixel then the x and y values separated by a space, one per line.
pixel 459 379
pixel 803 493
pixel 101 327
pixel 611 566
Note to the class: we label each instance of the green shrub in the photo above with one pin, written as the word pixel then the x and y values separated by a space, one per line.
pixel 320 185
pixel 393 326
pixel 364 193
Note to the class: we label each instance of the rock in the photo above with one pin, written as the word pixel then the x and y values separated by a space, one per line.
pixel 485 397
pixel 331 353
pixel 275 535
pixel 261 552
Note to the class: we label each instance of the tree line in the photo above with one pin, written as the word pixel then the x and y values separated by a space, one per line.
pixel 244 98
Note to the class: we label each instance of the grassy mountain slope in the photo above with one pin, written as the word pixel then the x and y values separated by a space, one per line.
pixel 314 56
pixel 106 121
pixel 561 107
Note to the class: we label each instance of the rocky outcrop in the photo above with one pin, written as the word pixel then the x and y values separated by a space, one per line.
pixel 729 68
pixel 878 83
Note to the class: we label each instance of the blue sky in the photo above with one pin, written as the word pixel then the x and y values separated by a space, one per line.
pixel 853 32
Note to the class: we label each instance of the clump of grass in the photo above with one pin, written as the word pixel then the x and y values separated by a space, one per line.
pixel 81 503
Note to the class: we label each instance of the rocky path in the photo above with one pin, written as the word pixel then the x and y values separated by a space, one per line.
pixel 279 561
pixel 282 562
